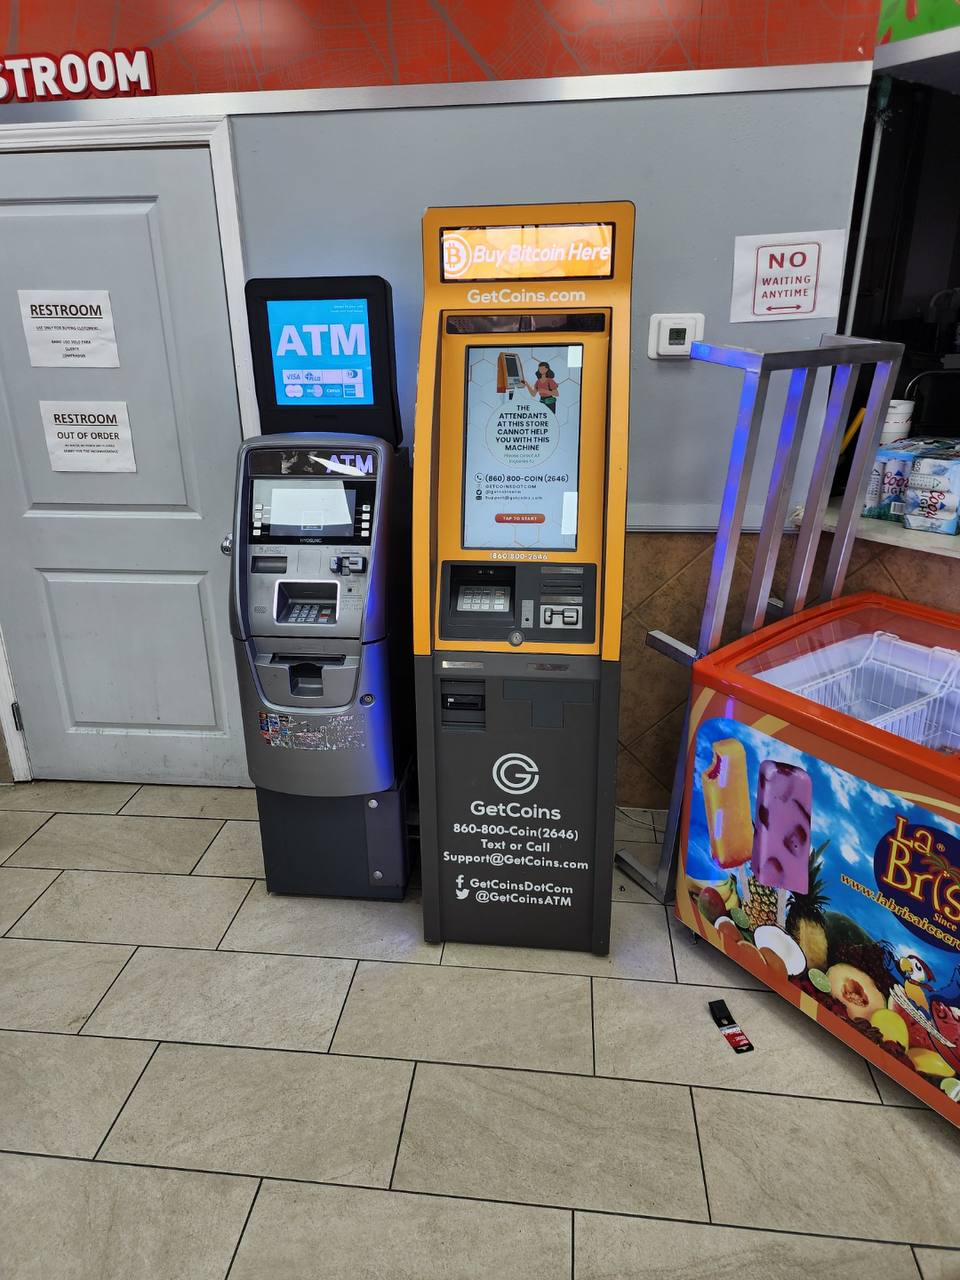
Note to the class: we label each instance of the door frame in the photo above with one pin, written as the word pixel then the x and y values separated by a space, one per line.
pixel 212 132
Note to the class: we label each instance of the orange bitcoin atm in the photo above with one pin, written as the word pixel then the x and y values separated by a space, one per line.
pixel 520 481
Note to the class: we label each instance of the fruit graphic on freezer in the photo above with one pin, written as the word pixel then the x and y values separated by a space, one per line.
pixel 806 921
pixel 856 991
pixel 761 905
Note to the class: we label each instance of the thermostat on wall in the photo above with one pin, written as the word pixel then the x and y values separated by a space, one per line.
pixel 672 334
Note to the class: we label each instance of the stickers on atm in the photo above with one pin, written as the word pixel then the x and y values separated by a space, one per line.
pixel 338 733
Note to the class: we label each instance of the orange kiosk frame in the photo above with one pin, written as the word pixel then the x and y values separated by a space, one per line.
pixel 520 477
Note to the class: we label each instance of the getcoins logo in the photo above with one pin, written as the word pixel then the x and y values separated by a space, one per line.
pixel 516 774
pixel 457 255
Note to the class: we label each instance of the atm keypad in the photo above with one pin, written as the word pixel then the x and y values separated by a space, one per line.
pixel 484 599
pixel 310 611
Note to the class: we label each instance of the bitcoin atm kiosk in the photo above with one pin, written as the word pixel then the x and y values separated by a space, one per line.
pixel 318 589
pixel 519 510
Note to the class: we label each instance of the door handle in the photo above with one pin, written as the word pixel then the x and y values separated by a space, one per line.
pixel 226 544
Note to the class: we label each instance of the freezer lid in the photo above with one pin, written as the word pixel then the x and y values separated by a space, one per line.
pixel 883 663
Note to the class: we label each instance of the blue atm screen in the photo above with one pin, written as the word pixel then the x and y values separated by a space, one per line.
pixel 321 351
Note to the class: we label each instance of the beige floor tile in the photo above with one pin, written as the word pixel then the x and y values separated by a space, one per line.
pixel 19 887
pixel 61 1093
pixel 893 1094
pixel 330 927
pixel 148 910
pixel 651 1031
pixel 235 852
pixel 534 1020
pixel 794 1164
pixel 97 842
pixel 284 1115
pixel 194 802
pixel 938 1264
pixel 17 826
pixel 699 962
pixel 72 1220
pixel 611 1248
pixel 627 890
pixel 639 948
pixel 218 997
pixel 335 1233
pixel 67 797
pixel 552 1139
pixel 54 986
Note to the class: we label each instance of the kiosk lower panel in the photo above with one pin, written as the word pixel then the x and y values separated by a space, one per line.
pixel 335 846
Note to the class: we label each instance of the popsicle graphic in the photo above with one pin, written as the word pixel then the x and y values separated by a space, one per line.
pixel 781 842
pixel 726 796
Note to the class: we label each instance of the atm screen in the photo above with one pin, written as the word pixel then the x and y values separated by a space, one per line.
pixel 291 509
pixel 522 447
pixel 320 351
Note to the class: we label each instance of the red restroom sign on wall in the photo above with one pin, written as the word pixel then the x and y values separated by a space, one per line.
pixel 778 277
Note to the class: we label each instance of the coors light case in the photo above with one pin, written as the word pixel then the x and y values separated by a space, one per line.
pixel 821 826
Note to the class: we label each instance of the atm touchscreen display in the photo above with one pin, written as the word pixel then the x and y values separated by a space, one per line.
pixel 291 510
pixel 522 447
pixel 321 352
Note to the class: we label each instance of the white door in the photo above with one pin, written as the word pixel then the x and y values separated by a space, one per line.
pixel 113 592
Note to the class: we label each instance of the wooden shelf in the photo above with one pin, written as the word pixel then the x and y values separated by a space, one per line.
pixel 895 535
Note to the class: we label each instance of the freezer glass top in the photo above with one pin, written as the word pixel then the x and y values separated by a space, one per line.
pixel 891 670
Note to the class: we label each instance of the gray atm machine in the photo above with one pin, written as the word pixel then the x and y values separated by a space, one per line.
pixel 319 596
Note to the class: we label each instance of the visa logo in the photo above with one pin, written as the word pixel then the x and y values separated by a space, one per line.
pixel 307 339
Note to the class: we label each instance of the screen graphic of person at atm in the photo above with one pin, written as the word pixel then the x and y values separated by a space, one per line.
pixel 545 386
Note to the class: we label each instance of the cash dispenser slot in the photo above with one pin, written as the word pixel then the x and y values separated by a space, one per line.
pixel 303 603
pixel 327 679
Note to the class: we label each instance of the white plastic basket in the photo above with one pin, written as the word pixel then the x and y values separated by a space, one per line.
pixel 879 678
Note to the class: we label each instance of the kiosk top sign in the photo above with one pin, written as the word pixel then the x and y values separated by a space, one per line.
pixel 566 251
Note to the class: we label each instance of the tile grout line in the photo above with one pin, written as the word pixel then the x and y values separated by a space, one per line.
pixel 223 823
pixel 153 1052
pixel 343 1006
pixel 6 932
pixel 573 1244
pixel 13 852
pixel 403 1125
pixel 110 987
pixel 439 1195
pixel 703 1168
pixel 673 954
pixel 470 1066
pixel 139 871
pixel 593 1028
pixel 236 1247
pixel 874 1079
pixel 235 914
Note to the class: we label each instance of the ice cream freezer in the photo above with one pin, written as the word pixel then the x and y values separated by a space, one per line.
pixel 820 844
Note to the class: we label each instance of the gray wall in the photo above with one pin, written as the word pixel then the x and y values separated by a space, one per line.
pixel 343 193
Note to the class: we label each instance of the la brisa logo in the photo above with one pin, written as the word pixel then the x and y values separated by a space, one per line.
pixel 918 868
